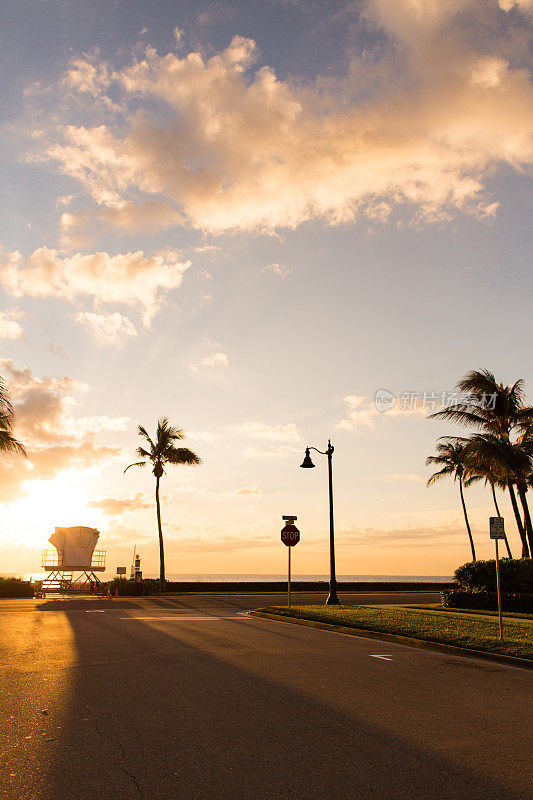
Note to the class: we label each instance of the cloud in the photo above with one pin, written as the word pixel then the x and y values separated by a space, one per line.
pixel 80 227
pixel 9 327
pixel 54 438
pixel 107 329
pixel 363 413
pixel 248 490
pixel 277 269
pixel 421 119
pixel 117 506
pixel 360 413
pixel 281 440
pixel 128 278
pixel 217 359
pixel 215 355
pixel 402 536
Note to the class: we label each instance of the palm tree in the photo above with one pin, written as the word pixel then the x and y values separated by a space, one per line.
pixel 8 443
pixel 160 452
pixel 510 464
pixel 497 410
pixel 451 456
pixel 475 474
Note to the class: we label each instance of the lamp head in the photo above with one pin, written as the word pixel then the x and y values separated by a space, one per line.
pixel 307 463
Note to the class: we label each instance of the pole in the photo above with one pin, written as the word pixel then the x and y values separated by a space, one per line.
pixel 498 589
pixel 289 580
pixel 332 598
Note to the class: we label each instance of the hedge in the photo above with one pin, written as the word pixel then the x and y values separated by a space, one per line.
pixel 516 576
pixel 129 588
pixel 15 587
pixel 488 601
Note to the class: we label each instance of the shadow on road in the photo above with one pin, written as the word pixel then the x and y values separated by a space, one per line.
pixel 195 711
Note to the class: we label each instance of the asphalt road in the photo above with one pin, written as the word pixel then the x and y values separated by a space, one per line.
pixel 188 698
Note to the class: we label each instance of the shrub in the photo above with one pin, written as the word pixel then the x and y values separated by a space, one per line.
pixel 15 587
pixel 487 601
pixel 129 588
pixel 516 576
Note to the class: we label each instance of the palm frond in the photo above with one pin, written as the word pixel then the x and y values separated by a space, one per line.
pixel 182 455
pixel 8 443
pixel 142 453
pixel 137 464
pixel 463 415
pixel 144 433
pixel 438 475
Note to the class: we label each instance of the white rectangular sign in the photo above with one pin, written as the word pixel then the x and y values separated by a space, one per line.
pixel 497 528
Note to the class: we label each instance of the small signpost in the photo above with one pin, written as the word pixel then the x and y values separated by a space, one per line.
pixel 497 531
pixel 290 535
pixel 121 570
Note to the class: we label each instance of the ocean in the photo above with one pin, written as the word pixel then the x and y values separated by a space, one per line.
pixel 176 576
pixel 283 577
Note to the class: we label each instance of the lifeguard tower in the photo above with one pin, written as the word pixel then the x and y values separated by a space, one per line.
pixel 73 565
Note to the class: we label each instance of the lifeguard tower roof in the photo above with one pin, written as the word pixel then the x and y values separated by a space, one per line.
pixel 75 549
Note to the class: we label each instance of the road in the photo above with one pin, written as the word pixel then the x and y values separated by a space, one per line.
pixel 189 698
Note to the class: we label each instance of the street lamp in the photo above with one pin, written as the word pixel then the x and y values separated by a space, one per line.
pixel 332 600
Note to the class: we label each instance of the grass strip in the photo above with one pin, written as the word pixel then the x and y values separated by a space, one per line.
pixel 474 633
pixel 481 611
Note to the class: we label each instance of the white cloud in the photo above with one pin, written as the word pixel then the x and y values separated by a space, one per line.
pixel 107 329
pixel 9 327
pixel 216 359
pixel 55 439
pixel 129 278
pixel 44 408
pixel 422 121
pixel 360 413
pixel 277 269
pixel 363 413
pixel 276 440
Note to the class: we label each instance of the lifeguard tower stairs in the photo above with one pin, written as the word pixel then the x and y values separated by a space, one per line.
pixel 73 565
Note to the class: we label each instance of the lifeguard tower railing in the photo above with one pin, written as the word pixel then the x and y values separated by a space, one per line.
pixel 52 560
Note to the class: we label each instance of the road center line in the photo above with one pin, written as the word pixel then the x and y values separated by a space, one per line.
pixel 384 658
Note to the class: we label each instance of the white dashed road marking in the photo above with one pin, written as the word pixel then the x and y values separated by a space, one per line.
pixel 384 658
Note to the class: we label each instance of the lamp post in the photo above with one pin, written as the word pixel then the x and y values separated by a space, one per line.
pixel 332 600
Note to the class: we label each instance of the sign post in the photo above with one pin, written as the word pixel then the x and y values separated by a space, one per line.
pixel 290 535
pixel 497 531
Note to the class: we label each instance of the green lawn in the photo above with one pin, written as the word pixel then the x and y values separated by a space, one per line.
pixel 475 632
pixel 482 612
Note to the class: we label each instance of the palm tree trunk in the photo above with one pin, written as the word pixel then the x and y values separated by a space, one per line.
pixel 525 548
pixel 498 513
pixel 466 519
pixel 527 517
pixel 162 579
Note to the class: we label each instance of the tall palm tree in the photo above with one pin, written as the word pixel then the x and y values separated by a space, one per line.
pixel 451 457
pixel 8 443
pixel 162 451
pixel 510 463
pixel 475 474
pixel 495 409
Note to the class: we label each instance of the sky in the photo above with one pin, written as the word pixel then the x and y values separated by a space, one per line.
pixel 251 217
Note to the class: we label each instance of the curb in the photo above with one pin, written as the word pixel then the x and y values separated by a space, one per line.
pixel 421 644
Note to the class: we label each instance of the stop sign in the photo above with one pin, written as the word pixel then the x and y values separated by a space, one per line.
pixel 290 535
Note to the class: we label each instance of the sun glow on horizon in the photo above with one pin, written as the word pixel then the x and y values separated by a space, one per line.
pixel 47 504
